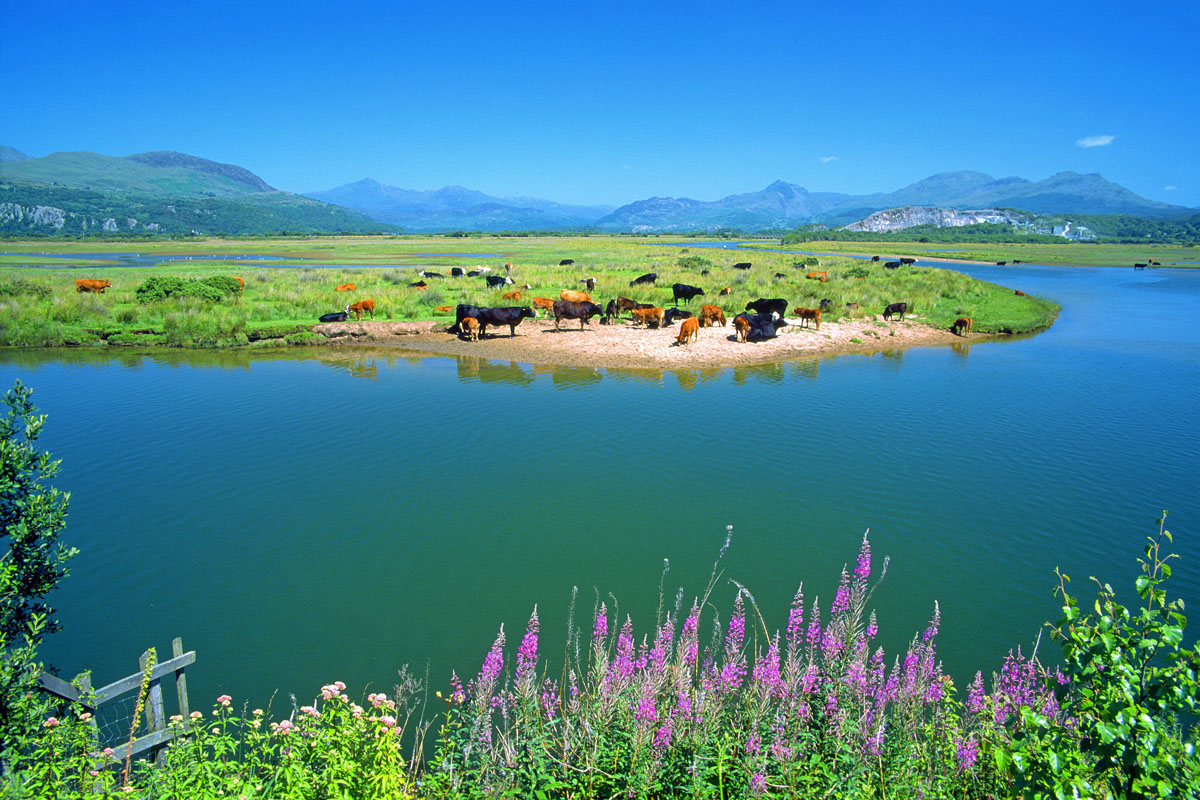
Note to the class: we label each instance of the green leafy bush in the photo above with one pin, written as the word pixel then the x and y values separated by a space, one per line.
pixel 695 262
pixel 161 287
pixel 19 286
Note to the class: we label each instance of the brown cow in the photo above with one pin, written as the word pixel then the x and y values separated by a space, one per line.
pixel 1019 293
pixel 741 327
pixel 511 296
pixel 644 316
pixel 818 276
pixel 85 285
pixel 710 315
pixel 241 284
pixel 689 329
pixel 962 324
pixel 544 303
pixel 444 309
pixel 470 327
pixel 806 314
pixel 346 287
pixel 725 291
pixel 361 306
pixel 575 297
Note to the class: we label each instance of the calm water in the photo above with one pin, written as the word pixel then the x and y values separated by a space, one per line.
pixel 304 517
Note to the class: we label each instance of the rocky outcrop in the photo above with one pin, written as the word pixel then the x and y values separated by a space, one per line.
pixel 32 215
pixel 894 219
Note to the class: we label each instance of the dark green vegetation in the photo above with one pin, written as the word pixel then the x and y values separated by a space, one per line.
pixel 40 307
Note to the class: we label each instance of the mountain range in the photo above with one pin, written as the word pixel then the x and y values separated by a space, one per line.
pixel 168 192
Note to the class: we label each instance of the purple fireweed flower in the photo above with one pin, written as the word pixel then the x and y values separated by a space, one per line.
pixel 662 739
pixel 934 692
pixel 975 694
pixel 683 704
pixel 863 569
pixel 766 671
pixel 831 702
pixel 734 670
pixel 758 784
pixel 967 751
pixel 689 640
pixel 934 621
pixel 855 677
pixel 795 623
pixel 841 600
pixel 753 743
pixel 872 627
pixel 493 664
pixel 601 630
pixel 646 711
pixel 814 623
pixel 874 743
pixel 1015 687
pixel 527 652
pixel 662 645
pixel 549 698
pixel 623 665
pixel 810 680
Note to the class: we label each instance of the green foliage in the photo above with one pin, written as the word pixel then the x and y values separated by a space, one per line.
pixel 695 262
pixel 160 287
pixel 14 287
pixel 983 232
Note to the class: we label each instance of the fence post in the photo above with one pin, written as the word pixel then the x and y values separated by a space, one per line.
pixel 180 680
pixel 155 719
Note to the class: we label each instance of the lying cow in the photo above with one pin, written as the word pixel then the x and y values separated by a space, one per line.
pixel 808 314
pixel 346 287
pixel 567 262
pixel 336 316
pixel 456 272
pixel 419 285
pixel 574 297
pixel 761 327
pixel 672 314
pixel 684 291
pixel 710 315
pixel 689 330
pixel 85 285
pixel 895 308
pixel 496 281
pixel 649 277
pixel 960 325
pixel 565 309
pixel 773 306
pixel 425 274
pixel 818 276
pixel 645 316
pixel 1019 293
pixel 511 296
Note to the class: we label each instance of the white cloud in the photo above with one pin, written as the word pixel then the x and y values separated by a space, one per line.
pixel 1170 188
pixel 827 159
pixel 1095 141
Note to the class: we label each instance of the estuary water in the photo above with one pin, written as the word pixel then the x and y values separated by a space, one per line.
pixel 301 517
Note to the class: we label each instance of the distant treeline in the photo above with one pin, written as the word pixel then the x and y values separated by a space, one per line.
pixel 1108 229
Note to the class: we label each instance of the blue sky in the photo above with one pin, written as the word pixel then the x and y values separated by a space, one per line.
pixel 609 103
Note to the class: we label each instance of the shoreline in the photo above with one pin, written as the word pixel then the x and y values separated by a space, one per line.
pixel 622 346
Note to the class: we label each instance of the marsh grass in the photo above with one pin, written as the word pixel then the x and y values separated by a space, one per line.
pixel 46 310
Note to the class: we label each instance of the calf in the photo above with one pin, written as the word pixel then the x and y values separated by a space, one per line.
pixel 895 308
pixel 742 265
pixel 1019 293
pixel 575 297
pixel 649 277
pixel 774 306
pixel 644 316
pixel 625 304
pixel 962 324
pixel 544 303
pixel 851 306
pixel 444 309
pixel 808 314
pixel 672 314
pixel 511 296
pixel 241 284
pixel 588 283
pixel 741 327
pixel 565 309
pixel 496 281
pixel 567 262
pixel 346 287
pixel 710 315
pixel 818 276
pixel 762 326
pixel 419 285
pixel 689 330
pixel 891 265
pixel 361 306
pixel 724 291
pixel 470 327
pixel 682 290
pixel 337 316
pixel 85 285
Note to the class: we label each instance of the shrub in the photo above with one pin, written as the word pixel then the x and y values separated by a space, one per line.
pixel 212 288
pixel 19 286
pixel 695 262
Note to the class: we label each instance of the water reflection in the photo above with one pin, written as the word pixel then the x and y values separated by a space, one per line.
pixel 961 349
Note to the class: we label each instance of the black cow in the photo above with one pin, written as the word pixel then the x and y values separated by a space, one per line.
pixel 1018 261
pixel 419 285
pixel 762 326
pixel 742 265
pixel 565 309
pixel 475 273
pixel 826 304
pixel 590 283
pixel 456 272
pixel 509 315
pixel 566 262
pixel 610 313
pixel 908 261
pixel 775 306
pixel 682 290
pixel 337 316
pixel 649 277
pixel 780 275
pixel 425 274
pixel 874 258
pixel 1001 263
pixel 672 314
pixel 703 272
pixel 496 281
pixel 895 308
pixel 891 265
pixel 1139 266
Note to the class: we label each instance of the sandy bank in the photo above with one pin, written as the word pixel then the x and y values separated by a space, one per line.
pixel 624 346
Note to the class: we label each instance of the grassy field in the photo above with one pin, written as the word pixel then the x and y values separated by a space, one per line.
pixel 40 307
pixel 1065 254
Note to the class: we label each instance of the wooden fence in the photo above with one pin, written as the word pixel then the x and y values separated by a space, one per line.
pixel 156 734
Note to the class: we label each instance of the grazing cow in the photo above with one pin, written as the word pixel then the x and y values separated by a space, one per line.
pixel 511 296
pixel 779 275
pixel 1019 293
pixel 565 309
pixel 85 285
pixel 895 308
pixel 544 303
pixel 874 258
pixel 851 306
pixel 1139 266
pixel 625 304
pixel 241 284
pixel 1016 261
pixel 742 265
pixel 807 314
pixel 574 297
pixel 1001 263
pixel 962 324
pixel 761 326
pixel 690 329
pixel 456 272
pixel 588 283
pixel 741 327
pixel 470 327
pixel 419 285
pixel 908 261
pixel 672 314
pixel 818 276
pixel 425 274
pixel 724 291
pixel 774 306
pixel 644 316
pixel 496 281
pixel 826 304
pixel 567 262
pixel 891 265
pixel 444 309
pixel 508 315
pixel 649 277
pixel 367 305
pixel 336 316
pixel 703 272
pixel 682 290
pixel 711 314
pixel 1152 262
pixel 508 267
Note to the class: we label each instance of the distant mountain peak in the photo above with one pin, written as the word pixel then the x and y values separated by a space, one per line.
pixel 11 154
pixel 170 158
